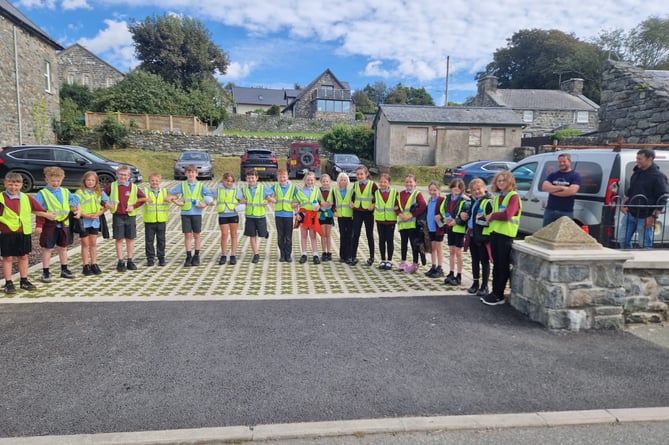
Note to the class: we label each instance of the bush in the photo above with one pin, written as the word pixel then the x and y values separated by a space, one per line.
pixel 112 133
pixel 566 133
pixel 358 140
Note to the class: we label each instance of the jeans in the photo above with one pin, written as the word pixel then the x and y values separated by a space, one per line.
pixel 553 215
pixel 631 224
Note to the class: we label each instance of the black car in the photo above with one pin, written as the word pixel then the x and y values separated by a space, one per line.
pixel 29 161
pixel 343 163
pixel 262 160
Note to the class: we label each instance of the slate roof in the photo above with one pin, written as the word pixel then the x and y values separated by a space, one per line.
pixel 534 99
pixel 660 79
pixel 345 85
pixel 260 96
pixel 14 15
pixel 428 114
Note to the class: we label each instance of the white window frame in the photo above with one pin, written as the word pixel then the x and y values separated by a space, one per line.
pixel 528 116
pixel 582 117
pixel 47 76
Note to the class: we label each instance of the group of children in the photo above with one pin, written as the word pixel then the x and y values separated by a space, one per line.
pixel 482 224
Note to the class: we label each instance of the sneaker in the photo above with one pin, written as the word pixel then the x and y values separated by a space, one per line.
pixel 448 278
pixel 474 287
pixel 438 273
pixel 483 291
pixel 27 285
pixel 344 260
pixel 131 265
pixel 288 259
pixel 96 269
pixel 65 273
pixel 222 260
pixel 233 260
pixel 403 266
pixel 188 261
pixel 87 271
pixel 329 258
pixel 412 268
pixel 120 266
pixel 9 288
pixel 492 300
pixel 370 261
pixel 432 270
pixel 458 279
pixel 256 258
pixel 354 261
pixel 45 278
pixel 382 265
pixel 150 262
pixel 196 260
pixel 317 260
pixel 161 261
pixel 324 257
pixel 389 265
pixel 303 259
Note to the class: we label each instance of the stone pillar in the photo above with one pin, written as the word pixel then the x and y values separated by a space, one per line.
pixel 564 279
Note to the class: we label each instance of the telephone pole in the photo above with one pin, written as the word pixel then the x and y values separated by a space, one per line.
pixel 448 59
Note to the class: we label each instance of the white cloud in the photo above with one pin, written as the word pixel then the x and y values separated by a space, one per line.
pixel 237 71
pixel 36 4
pixel 375 69
pixel 114 43
pixel 69 5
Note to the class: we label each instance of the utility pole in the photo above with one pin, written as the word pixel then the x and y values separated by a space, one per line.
pixel 448 60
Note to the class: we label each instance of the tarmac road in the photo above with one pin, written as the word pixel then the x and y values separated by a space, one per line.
pixel 72 368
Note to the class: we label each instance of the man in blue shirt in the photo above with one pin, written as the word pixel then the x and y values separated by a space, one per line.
pixel 562 186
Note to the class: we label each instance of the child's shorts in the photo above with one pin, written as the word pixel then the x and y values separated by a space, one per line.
pixel 327 221
pixel 435 237
pixel 89 231
pixel 256 227
pixel 53 236
pixel 222 220
pixel 456 239
pixel 191 223
pixel 15 244
pixel 124 227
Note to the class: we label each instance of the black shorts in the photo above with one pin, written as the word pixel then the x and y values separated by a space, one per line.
pixel 124 227
pixel 329 221
pixel 456 239
pixel 222 220
pixel 256 227
pixel 89 231
pixel 191 223
pixel 53 236
pixel 15 244
pixel 435 237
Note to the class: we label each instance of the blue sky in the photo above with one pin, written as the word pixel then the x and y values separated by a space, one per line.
pixel 278 43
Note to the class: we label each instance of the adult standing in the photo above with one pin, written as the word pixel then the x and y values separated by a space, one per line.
pixel 562 186
pixel 644 200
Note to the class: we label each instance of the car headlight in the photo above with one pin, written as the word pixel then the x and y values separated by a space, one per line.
pixel 337 169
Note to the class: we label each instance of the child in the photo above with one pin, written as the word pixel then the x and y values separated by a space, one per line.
pixel 479 238
pixel 435 231
pixel 344 214
pixel 228 218
pixel 125 198
pixel 454 213
pixel 255 196
pixel 194 197
pixel 411 205
pixel 504 221
pixel 154 214
pixel 54 233
pixel 93 202
pixel 386 217
pixel 308 198
pixel 326 216
pixel 285 194
pixel 16 229
pixel 362 204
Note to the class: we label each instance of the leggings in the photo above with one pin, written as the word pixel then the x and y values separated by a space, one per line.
pixel 409 236
pixel 360 217
pixel 386 240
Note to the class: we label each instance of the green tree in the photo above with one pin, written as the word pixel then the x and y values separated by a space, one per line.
pixel 112 133
pixel 274 110
pixel 70 127
pixel 376 93
pixel 397 95
pixel 345 139
pixel 81 95
pixel 178 49
pixel 362 103
pixel 646 45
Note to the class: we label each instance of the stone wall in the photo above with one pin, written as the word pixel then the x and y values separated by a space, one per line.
pixel 273 124
pixel 78 65
pixel 304 108
pixel 635 105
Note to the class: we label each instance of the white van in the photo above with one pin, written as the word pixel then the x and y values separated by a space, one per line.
pixel 605 175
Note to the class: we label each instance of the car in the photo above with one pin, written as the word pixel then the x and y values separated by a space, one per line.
pixel 29 161
pixel 343 162
pixel 485 170
pixel 261 160
pixel 200 159
pixel 304 157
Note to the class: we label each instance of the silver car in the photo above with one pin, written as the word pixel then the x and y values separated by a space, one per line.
pixel 200 159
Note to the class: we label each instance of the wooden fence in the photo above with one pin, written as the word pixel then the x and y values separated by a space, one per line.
pixel 153 122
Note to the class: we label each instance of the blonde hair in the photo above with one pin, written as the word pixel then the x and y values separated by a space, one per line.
pixel 476 181
pixel 54 172
pixel 308 174
pixel 13 177
pixel 325 176
pixel 96 188
pixel 510 183
pixel 341 176
pixel 155 175
pixel 227 175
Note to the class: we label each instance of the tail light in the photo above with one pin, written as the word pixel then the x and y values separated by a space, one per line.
pixel 459 174
pixel 245 158
pixel 611 192
pixel 274 159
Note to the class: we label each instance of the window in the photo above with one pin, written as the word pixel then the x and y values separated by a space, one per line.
pixel 475 137
pixel 582 117
pixel 591 174
pixel 333 106
pixel 497 136
pixel 109 82
pixel 70 79
pixel 86 80
pixel 47 76
pixel 524 175
pixel 528 116
pixel 326 91
pixel 417 135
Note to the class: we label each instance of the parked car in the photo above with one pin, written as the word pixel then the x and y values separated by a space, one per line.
pixel 200 159
pixel 304 157
pixel 485 170
pixel 262 160
pixel 29 161
pixel 342 162
pixel 605 176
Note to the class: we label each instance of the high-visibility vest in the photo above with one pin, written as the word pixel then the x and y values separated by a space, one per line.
pixel 363 200
pixel 189 196
pixel 508 228
pixel 483 203
pixel 307 202
pixel 226 200
pixel 88 202
pixel 457 228
pixel 255 205
pixel 159 209
pixel 60 209
pixel 385 210
pixel 284 203
pixel 406 210
pixel 114 198
pixel 342 203
pixel 23 219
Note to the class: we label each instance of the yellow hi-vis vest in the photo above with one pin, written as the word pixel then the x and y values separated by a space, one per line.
pixel 188 197
pixel 385 210
pixel 307 202
pixel 363 200
pixel 284 203
pixel 159 209
pixel 481 208
pixel 406 210
pixel 88 202
pixel 457 228
pixel 60 209
pixel 23 219
pixel 255 205
pixel 114 198
pixel 226 200
pixel 342 203
pixel 508 228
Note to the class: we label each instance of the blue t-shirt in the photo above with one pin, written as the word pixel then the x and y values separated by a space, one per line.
pixel 566 179
pixel 208 197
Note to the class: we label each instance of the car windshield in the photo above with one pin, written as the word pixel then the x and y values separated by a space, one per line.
pixel 347 159
pixel 193 156
pixel 91 155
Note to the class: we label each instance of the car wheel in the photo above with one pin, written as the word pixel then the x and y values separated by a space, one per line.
pixel 28 182
pixel 307 159
pixel 105 179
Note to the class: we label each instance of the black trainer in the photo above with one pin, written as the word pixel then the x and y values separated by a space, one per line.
pixel 222 260
pixel 196 260
pixel 256 258
pixel 233 260
pixel 188 262
pixel 120 266
pixel 96 269
pixel 303 259
pixel 65 273
pixel 474 287
pixel 492 300
pixel 9 288
pixel 131 265
pixel 317 260
pixel 27 285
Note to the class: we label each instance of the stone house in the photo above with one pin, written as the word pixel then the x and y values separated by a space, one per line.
pixel 28 79
pixel 78 65
pixel 635 104
pixel 429 135
pixel 543 111
pixel 248 100
pixel 326 97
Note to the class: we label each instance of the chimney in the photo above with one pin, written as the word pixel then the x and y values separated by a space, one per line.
pixel 572 86
pixel 487 84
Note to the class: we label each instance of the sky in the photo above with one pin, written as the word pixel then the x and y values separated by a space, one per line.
pixel 280 43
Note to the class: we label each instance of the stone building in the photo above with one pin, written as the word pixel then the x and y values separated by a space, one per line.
pixel 429 135
pixel 543 111
pixel 78 65
pixel 635 104
pixel 325 98
pixel 28 79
